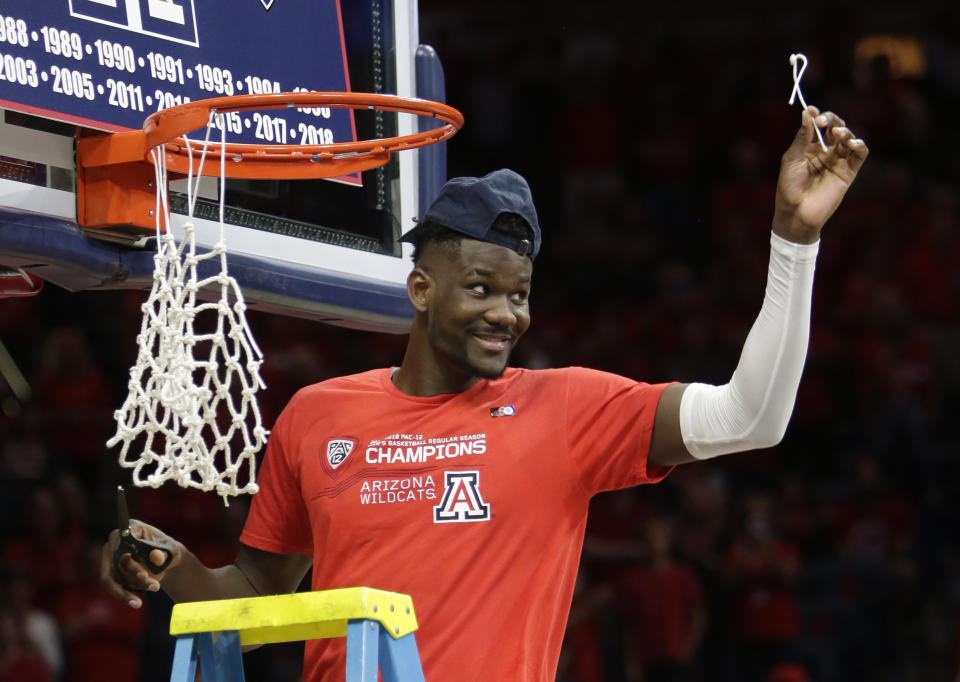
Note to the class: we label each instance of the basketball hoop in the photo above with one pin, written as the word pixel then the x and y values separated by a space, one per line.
pixel 192 395
pixel 114 174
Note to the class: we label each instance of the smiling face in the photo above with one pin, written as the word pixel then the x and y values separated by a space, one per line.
pixel 477 307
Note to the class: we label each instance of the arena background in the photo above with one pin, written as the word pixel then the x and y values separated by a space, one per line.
pixel 651 136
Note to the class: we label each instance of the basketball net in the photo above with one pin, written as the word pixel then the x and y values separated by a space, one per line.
pixel 192 394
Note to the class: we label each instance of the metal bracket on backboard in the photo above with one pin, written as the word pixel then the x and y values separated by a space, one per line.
pixel 120 197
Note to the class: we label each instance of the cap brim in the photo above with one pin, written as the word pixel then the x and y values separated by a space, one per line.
pixel 410 235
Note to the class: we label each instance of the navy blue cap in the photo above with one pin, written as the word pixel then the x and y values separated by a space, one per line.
pixel 471 205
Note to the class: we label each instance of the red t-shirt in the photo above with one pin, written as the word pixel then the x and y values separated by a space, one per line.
pixel 660 605
pixel 106 644
pixel 25 667
pixel 474 503
pixel 766 604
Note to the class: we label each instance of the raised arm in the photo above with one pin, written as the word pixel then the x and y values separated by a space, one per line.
pixel 699 421
pixel 254 572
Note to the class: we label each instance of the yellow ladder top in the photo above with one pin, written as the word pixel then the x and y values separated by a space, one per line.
pixel 292 617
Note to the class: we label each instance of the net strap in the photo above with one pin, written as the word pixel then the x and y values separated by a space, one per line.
pixel 796 59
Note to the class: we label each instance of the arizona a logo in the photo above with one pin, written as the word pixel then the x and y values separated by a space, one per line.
pixel 338 449
pixel 461 501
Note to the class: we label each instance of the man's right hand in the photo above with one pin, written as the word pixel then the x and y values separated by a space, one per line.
pixel 126 577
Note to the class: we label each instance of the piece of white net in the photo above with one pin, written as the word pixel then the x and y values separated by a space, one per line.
pixel 191 413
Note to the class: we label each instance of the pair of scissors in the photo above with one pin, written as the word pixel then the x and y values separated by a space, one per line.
pixel 137 548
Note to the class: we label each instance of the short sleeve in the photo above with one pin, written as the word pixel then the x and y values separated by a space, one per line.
pixel 609 421
pixel 278 520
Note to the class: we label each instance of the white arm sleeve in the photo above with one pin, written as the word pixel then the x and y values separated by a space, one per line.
pixel 752 411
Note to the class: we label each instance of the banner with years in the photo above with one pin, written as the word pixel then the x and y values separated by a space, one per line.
pixel 108 64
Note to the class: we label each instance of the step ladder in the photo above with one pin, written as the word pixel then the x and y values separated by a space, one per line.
pixel 378 625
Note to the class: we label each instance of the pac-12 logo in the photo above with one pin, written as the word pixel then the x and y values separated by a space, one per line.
pixel 174 20
pixel 461 501
pixel 338 449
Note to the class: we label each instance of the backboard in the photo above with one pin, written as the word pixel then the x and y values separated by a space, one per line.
pixel 322 249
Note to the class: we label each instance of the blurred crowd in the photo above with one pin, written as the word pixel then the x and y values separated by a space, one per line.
pixel 652 145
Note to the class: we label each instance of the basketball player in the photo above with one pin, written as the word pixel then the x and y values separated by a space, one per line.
pixel 465 483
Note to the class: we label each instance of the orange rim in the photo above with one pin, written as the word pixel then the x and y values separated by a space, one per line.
pixel 259 161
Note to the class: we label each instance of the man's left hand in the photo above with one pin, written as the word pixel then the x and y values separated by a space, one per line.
pixel 813 182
